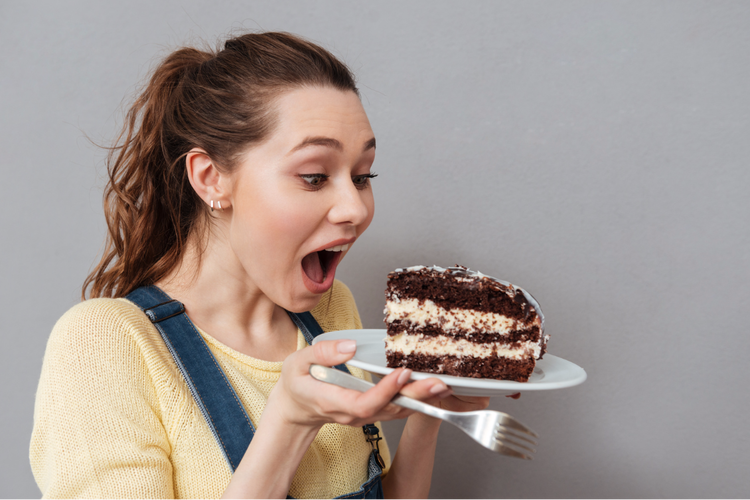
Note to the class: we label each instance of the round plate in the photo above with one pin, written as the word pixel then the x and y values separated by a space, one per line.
pixel 550 373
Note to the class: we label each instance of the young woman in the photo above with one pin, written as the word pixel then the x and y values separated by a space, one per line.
pixel 241 180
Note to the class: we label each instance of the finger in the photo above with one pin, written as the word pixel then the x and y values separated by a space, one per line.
pixel 427 389
pixel 348 406
pixel 326 353
pixel 379 397
pixel 474 401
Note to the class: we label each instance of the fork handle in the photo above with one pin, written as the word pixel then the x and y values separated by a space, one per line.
pixel 337 377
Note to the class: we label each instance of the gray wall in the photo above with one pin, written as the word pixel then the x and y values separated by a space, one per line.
pixel 594 153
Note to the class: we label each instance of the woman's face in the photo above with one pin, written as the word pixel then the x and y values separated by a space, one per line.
pixel 302 198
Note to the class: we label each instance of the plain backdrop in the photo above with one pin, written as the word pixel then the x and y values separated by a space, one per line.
pixel 594 153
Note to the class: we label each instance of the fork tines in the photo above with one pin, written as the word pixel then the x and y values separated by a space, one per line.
pixel 512 423
pixel 507 450
pixel 502 435
pixel 513 438
pixel 513 443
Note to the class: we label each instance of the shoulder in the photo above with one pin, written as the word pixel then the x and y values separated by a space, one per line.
pixel 102 309
pixel 106 349
pixel 98 404
pixel 337 309
pixel 97 325
pixel 100 316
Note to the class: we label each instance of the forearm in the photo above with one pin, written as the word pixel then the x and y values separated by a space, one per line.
pixel 410 474
pixel 271 460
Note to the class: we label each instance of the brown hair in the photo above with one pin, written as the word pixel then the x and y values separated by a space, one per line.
pixel 219 101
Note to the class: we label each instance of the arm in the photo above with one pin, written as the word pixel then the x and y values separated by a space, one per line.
pixel 97 428
pixel 300 405
pixel 411 473
pixel 282 446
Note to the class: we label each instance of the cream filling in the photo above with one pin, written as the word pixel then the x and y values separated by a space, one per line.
pixel 429 313
pixel 441 345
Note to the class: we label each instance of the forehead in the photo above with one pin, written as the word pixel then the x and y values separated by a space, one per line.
pixel 320 112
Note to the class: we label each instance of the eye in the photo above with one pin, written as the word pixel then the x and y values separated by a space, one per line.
pixel 315 181
pixel 362 181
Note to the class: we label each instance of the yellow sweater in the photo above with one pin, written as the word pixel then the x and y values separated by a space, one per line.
pixel 114 417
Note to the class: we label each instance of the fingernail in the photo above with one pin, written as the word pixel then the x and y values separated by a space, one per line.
pixel 346 346
pixel 404 376
pixel 438 388
pixel 446 393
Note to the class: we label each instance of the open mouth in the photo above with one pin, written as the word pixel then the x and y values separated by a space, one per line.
pixel 320 267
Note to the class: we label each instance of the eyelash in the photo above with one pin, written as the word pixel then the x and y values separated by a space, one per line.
pixel 364 180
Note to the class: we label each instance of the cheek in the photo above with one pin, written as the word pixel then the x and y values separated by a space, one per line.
pixel 369 201
pixel 271 225
pixel 292 221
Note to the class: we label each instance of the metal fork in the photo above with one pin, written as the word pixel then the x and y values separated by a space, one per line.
pixel 495 430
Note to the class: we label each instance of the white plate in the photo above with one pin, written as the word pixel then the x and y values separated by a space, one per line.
pixel 550 373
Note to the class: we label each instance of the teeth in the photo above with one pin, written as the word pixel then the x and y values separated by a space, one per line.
pixel 338 248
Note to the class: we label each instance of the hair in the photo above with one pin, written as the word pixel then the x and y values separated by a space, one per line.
pixel 219 101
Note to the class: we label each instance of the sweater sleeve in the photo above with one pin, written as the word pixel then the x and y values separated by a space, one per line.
pixel 97 425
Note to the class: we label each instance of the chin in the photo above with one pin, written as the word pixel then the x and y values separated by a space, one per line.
pixel 304 304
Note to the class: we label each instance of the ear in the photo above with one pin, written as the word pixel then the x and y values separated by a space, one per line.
pixel 210 184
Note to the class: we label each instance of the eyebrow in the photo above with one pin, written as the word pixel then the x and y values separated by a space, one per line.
pixel 329 143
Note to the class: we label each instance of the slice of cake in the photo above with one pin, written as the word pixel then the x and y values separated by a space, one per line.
pixel 460 322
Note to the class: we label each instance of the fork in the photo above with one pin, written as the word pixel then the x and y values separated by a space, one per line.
pixel 495 430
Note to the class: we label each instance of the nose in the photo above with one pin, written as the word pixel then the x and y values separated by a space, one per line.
pixel 350 205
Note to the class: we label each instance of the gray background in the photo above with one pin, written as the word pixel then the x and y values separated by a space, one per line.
pixel 594 153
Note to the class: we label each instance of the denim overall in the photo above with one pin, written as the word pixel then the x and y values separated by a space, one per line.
pixel 214 395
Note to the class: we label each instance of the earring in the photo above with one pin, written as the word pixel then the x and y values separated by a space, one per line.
pixel 212 205
pixel 219 204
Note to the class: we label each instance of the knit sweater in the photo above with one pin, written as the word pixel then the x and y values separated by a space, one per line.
pixel 115 418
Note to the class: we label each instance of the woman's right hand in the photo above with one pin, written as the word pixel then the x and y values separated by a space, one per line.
pixel 299 406
pixel 301 400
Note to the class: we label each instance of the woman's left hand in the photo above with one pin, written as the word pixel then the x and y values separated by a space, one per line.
pixel 463 403
pixel 448 402
pixel 411 471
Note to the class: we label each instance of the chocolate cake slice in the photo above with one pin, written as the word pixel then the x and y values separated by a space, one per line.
pixel 460 322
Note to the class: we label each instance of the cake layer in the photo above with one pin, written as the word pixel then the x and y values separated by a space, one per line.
pixel 423 312
pixel 479 337
pixel 408 344
pixel 466 366
pixel 465 290
pixel 460 322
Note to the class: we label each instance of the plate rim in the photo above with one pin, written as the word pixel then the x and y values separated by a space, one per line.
pixel 475 384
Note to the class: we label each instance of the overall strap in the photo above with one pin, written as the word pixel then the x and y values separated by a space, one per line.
pixel 214 395
pixel 311 329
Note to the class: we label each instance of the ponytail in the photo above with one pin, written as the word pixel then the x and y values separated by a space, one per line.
pixel 219 102
pixel 146 234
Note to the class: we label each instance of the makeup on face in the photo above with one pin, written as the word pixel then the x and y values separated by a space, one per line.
pixel 302 198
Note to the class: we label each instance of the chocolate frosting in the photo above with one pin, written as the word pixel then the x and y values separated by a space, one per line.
pixel 518 294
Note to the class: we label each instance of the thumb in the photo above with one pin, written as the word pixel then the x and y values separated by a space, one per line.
pixel 329 353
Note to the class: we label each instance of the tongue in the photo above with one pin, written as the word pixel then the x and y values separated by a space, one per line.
pixel 313 269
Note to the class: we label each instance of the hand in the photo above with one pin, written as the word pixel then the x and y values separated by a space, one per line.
pixel 299 399
pixel 463 403
pixel 449 401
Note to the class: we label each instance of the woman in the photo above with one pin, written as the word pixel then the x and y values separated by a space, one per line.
pixel 240 181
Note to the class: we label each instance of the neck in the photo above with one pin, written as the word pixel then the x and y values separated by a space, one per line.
pixel 222 301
